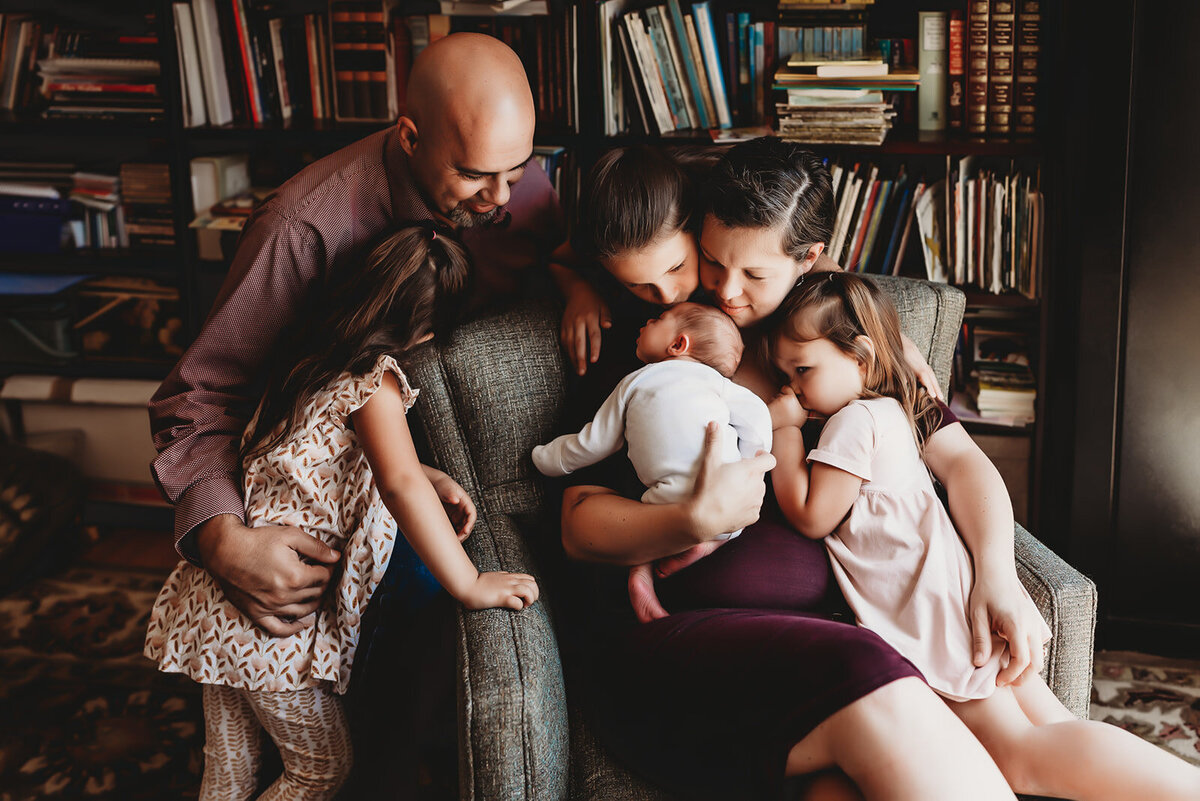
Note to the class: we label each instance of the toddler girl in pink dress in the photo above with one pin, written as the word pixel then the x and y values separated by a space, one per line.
pixel 896 555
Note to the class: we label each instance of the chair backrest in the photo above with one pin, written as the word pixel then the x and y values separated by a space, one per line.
pixel 930 314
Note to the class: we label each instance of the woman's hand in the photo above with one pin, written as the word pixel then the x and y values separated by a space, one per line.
pixel 726 496
pixel 921 367
pixel 786 410
pixel 586 313
pixel 459 506
pixel 996 607
pixel 500 590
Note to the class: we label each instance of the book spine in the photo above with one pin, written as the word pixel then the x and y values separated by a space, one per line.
pixel 706 33
pixel 680 37
pixel 1001 41
pixel 248 59
pixel 1029 48
pixel 745 64
pixel 977 66
pixel 666 68
pixel 732 68
pixel 931 64
pixel 956 71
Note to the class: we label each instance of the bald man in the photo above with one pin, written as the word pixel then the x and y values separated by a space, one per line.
pixel 460 158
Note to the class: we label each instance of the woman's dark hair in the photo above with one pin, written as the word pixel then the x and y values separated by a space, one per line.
pixel 404 291
pixel 631 197
pixel 846 308
pixel 771 183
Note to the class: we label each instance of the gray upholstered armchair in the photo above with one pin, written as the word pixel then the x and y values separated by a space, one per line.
pixel 490 394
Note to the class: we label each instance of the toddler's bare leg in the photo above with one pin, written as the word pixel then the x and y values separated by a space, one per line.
pixel 1071 758
pixel 901 743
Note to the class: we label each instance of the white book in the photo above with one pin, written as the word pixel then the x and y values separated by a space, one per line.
pixel 710 109
pixel 212 62
pixel 712 62
pixel 194 104
pixel 524 8
pixel 860 217
pixel 929 220
pixel 997 244
pixel 275 27
pixel 845 207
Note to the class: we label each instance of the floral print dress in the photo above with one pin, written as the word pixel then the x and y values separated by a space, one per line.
pixel 318 480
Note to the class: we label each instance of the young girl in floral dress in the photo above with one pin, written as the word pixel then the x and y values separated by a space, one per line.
pixel 329 451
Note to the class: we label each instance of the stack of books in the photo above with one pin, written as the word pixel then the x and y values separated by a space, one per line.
pixel 1003 385
pixel 99 220
pixel 146 196
pixel 33 206
pixel 835 116
pixel 101 88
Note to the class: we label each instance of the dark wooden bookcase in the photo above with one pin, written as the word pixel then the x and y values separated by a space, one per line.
pixel 278 150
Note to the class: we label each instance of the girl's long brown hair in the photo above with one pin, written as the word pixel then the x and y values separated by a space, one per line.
pixel 404 291
pixel 843 308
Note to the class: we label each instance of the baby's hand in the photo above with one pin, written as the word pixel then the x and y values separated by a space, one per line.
pixel 786 410
pixel 500 589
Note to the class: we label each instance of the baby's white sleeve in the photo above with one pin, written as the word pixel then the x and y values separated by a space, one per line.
pixel 750 418
pixel 600 438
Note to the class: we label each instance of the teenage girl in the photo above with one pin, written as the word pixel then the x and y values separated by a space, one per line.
pixel 895 553
pixel 329 451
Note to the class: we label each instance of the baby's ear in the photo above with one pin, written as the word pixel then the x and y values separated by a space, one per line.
pixel 680 346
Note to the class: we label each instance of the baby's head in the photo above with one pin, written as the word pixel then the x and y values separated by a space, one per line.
pixel 692 331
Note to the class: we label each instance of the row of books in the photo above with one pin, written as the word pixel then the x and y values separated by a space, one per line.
pixel 977 226
pixel 48 207
pixel 74 73
pixel 980 67
pixel 245 63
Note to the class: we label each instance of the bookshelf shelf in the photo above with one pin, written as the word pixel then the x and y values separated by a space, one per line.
pixel 155 371
pixel 979 299
pixel 116 261
pixel 33 123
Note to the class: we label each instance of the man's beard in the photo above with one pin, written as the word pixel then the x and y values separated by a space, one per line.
pixel 463 217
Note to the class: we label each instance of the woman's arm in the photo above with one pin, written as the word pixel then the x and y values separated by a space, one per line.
pixel 598 525
pixel 585 313
pixel 409 495
pixel 982 513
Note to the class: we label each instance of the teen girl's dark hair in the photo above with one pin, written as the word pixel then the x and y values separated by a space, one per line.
pixel 631 197
pixel 844 308
pixel 771 183
pixel 404 291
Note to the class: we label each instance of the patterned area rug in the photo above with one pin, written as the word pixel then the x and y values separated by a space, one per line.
pixel 86 715
pixel 1156 698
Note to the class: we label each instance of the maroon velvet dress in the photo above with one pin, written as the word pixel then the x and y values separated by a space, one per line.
pixel 758 650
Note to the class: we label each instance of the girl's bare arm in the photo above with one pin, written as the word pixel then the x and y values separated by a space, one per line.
pixel 406 490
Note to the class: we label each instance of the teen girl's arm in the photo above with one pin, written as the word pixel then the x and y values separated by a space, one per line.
pixel 815 501
pixel 585 313
pixel 406 490
pixel 982 513
pixel 599 525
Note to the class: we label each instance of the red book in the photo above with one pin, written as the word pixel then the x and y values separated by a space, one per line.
pixel 956 71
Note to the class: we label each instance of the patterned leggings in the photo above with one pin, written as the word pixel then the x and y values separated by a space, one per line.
pixel 308 726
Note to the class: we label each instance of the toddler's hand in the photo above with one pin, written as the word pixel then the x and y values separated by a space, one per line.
pixel 586 313
pixel 500 589
pixel 459 506
pixel 786 410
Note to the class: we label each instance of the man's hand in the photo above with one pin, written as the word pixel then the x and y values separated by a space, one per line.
pixel 459 506
pixel 726 497
pixel 996 607
pixel 586 313
pixel 275 575
pixel 786 410
pixel 921 367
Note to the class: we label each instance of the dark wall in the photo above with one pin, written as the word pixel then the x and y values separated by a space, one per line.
pixel 1133 233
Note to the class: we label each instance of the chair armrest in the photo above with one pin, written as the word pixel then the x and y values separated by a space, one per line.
pixel 1067 600
pixel 513 727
